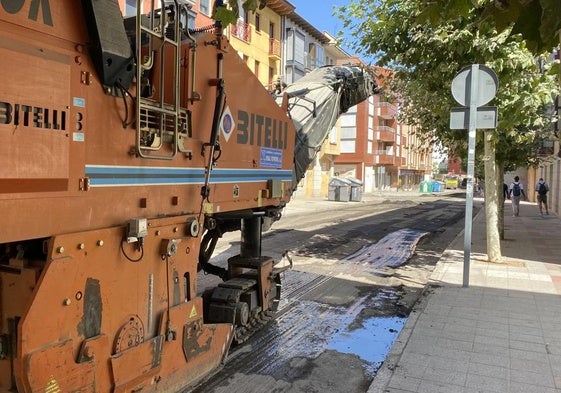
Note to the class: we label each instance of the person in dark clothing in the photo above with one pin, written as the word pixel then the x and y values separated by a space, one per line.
pixel 542 188
pixel 516 192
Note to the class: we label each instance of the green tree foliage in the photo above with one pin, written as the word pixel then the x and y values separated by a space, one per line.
pixel 537 21
pixel 425 57
pixel 426 50
pixel 230 11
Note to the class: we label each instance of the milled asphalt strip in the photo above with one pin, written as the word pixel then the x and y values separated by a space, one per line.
pixel 385 372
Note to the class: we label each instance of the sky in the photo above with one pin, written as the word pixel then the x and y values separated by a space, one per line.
pixel 319 13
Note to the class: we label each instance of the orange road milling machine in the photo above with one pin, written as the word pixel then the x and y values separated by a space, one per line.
pixel 129 147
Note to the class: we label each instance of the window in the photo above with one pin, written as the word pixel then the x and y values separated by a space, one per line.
pixel 205 7
pixel 316 56
pixel 349 118
pixel 189 19
pixel 312 56
pixel 257 22
pixel 256 69
pixel 296 74
pixel 271 30
pixel 271 77
pixel 370 106
pixel 130 8
pixel 320 56
pixel 348 131
pixel 348 146
pixel 299 54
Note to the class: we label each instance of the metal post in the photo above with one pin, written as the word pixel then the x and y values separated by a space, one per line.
pixel 473 95
pixel 250 245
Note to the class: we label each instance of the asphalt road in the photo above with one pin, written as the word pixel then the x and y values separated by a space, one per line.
pixel 358 270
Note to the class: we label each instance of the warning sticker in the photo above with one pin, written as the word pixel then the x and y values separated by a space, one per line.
pixel 193 312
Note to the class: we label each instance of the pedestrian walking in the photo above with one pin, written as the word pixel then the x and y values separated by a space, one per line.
pixel 516 192
pixel 542 188
pixel 505 192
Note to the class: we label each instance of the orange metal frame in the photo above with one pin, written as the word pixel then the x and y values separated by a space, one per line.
pixel 88 318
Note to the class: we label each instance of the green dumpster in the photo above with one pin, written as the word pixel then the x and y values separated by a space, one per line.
pixel 425 187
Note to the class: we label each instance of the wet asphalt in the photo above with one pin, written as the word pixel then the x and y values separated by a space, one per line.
pixel 349 295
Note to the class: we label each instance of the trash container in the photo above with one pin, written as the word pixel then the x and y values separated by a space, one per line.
pixel 437 186
pixel 356 189
pixel 425 187
pixel 339 190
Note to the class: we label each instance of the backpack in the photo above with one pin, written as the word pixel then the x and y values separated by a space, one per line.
pixel 542 189
pixel 516 189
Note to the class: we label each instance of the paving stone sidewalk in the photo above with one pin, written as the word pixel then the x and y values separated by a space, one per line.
pixel 502 333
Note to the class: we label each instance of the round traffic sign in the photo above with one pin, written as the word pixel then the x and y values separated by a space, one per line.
pixel 487 85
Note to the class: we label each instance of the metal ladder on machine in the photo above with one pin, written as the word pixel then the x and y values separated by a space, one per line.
pixel 159 122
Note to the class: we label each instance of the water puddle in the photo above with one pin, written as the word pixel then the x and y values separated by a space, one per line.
pixel 367 328
pixel 371 342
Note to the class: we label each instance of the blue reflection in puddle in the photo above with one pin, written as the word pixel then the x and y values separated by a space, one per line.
pixel 372 341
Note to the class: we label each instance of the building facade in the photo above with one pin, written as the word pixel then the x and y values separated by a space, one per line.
pixel 280 47
pixel 316 181
pixel 379 150
pixel 303 48
pixel 258 36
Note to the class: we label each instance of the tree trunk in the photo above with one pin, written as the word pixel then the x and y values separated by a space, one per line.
pixel 491 200
pixel 501 202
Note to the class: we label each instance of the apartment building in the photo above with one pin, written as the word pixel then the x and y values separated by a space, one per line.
pixel 303 48
pixel 322 170
pixel 550 165
pixel 257 37
pixel 379 150
pixel 198 11
pixel 418 161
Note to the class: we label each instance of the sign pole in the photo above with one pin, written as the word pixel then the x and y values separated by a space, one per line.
pixel 483 84
pixel 473 95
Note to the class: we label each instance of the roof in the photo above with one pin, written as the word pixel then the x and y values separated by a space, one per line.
pixel 281 7
pixel 309 28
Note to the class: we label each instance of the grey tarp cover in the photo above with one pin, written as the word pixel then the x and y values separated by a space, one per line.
pixel 315 103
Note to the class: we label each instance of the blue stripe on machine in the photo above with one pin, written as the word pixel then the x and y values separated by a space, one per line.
pixel 108 176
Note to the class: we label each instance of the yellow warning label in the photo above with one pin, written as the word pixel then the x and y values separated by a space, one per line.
pixel 193 312
pixel 52 386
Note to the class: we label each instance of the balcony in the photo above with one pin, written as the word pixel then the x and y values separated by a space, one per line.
pixel 386 111
pixel 242 30
pixel 385 133
pixel 274 49
pixel 384 157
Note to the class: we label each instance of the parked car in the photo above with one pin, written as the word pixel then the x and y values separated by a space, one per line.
pixel 451 182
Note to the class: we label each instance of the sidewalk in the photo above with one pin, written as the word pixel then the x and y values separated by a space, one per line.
pixel 502 333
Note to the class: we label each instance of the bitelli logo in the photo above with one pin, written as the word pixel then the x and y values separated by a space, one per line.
pixel 32 116
pixel 16 6
pixel 259 130
pixel 254 129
